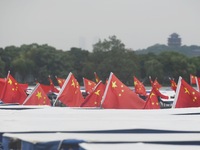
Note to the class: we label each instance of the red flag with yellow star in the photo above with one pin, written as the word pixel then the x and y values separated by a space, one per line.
pixel 94 98
pixel 53 88
pixel 37 97
pixel 118 96
pixel 173 84
pixel 192 79
pixel 139 87
pixel 60 81
pixel 186 95
pixel 152 100
pixel 12 91
pixel 70 94
pixel 89 85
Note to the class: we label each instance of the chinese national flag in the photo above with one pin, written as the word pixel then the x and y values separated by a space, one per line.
pixel 173 84
pixel 89 85
pixel 2 83
pixel 46 88
pixel 119 96
pixel 186 95
pixel 53 88
pixel 60 81
pixel 37 97
pixel 157 84
pixel 24 86
pixel 192 79
pixel 12 91
pixel 96 77
pixel 139 87
pixel 70 94
pixel 94 98
pixel 152 100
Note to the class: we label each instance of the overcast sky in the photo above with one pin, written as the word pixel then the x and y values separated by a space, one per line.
pixel 80 23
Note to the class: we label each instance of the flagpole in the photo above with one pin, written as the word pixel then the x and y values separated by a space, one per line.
pixel 106 90
pixel 197 83
pixel 177 92
pixel 31 93
pixel 63 87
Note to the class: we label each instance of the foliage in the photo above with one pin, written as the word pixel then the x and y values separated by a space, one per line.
pixel 30 62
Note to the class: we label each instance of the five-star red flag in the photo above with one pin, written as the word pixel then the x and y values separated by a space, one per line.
pixel 152 100
pixel 173 84
pixel 192 79
pixel 60 81
pixel 2 83
pixel 53 88
pixel 89 85
pixel 139 87
pixel 94 98
pixel 96 77
pixel 12 91
pixel 37 97
pixel 70 94
pixel 119 96
pixel 186 95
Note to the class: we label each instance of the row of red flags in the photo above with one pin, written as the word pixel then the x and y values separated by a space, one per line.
pixel 111 95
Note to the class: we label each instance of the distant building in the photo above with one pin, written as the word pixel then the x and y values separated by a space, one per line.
pixel 174 40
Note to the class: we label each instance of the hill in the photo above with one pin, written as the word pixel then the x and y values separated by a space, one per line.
pixel 189 51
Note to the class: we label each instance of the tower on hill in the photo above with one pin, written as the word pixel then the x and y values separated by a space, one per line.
pixel 174 40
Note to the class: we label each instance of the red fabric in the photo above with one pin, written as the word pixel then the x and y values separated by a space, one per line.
pixel 139 87
pixel 96 77
pixel 47 88
pixel 24 86
pixel 173 84
pixel 12 91
pixel 119 96
pixel 37 97
pixel 152 100
pixel 60 81
pixel 157 84
pixel 94 98
pixel 70 94
pixel 53 88
pixel 2 83
pixel 192 79
pixel 89 85
pixel 186 96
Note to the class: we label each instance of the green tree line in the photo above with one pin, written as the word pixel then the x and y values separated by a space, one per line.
pixel 28 63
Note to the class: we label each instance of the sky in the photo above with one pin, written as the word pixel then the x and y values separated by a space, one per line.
pixel 82 23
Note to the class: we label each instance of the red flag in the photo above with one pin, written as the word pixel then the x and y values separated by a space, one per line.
pixel 192 79
pixel 12 91
pixel 157 84
pixel 96 77
pixel 94 98
pixel 37 97
pixel 119 96
pixel 53 88
pixel 89 85
pixel 47 88
pixel 24 86
pixel 139 87
pixel 186 95
pixel 152 100
pixel 173 84
pixel 2 83
pixel 60 81
pixel 70 94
